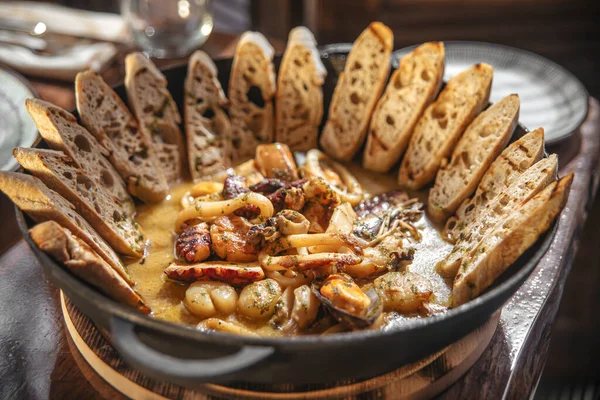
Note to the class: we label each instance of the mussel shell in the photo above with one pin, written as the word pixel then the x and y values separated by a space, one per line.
pixel 344 317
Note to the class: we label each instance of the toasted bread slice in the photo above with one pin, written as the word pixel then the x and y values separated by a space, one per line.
pixel 61 131
pixel 412 87
pixel 84 262
pixel 251 91
pixel 299 98
pixel 106 117
pixel 357 91
pixel 508 241
pixel 43 204
pixel 478 147
pixel 442 124
pixel 156 113
pixel 91 200
pixel 510 164
pixel 530 183
pixel 207 126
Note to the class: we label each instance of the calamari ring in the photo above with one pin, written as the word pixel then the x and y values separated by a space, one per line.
pixel 353 193
pixel 207 187
pixel 284 279
pixel 269 261
pixel 210 210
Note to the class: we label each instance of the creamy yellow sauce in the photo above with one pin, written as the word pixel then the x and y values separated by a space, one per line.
pixel 165 297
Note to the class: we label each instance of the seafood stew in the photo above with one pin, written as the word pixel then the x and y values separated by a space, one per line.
pixel 279 248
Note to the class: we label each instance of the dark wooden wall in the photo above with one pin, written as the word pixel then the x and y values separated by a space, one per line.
pixel 564 31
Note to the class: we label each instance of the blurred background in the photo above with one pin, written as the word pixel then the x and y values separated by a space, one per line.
pixel 566 32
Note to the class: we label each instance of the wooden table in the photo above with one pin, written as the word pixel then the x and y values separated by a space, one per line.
pixel 37 362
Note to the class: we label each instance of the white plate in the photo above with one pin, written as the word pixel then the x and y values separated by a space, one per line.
pixel 551 97
pixel 16 128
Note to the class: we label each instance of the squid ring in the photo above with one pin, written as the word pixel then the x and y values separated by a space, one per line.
pixel 290 278
pixel 269 261
pixel 353 192
pixel 206 187
pixel 210 210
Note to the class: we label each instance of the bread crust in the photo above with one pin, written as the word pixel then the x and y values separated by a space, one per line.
pixel 156 113
pixel 442 124
pixel 478 147
pixel 206 124
pixel 530 183
pixel 508 241
pixel 299 97
pixel 251 92
pixel 43 204
pixel 351 108
pixel 92 201
pixel 61 131
pixel 506 168
pixel 106 117
pixel 84 262
pixel 412 87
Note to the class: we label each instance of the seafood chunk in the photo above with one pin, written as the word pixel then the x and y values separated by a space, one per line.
pixel 206 299
pixel 390 217
pixel 275 161
pixel 291 278
pixel 234 274
pixel 385 255
pixel 283 311
pixel 249 171
pixel 205 188
pixel 283 195
pixel 381 202
pixel 216 324
pixel 290 222
pixel 267 186
pixel 233 239
pixel 234 186
pixel 306 307
pixel 193 244
pixel 346 301
pixel 321 201
pixel 295 309
pixel 404 292
pixel 257 300
pixel 318 164
pixel 270 261
pixel 292 199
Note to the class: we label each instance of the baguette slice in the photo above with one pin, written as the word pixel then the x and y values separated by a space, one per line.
pixel 357 91
pixel 412 87
pixel 442 124
pixel 299 98
pixel 61 131
pixel 106 117
pixel 92 201
pixel 509 240
pixel 156 113
pixel 84 262
pixel 43 204
pixel 207 127
pixel 510 164
pixel 478 147
pixel 530 183
pixel 251 91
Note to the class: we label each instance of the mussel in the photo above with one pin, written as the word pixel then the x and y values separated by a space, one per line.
pixel 346 301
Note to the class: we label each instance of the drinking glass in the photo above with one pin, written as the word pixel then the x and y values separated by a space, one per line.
pixel 168 28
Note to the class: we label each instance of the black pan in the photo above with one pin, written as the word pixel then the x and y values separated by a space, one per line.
pixel 185 356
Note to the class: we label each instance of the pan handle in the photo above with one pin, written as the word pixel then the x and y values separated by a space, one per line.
pixel 153 362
